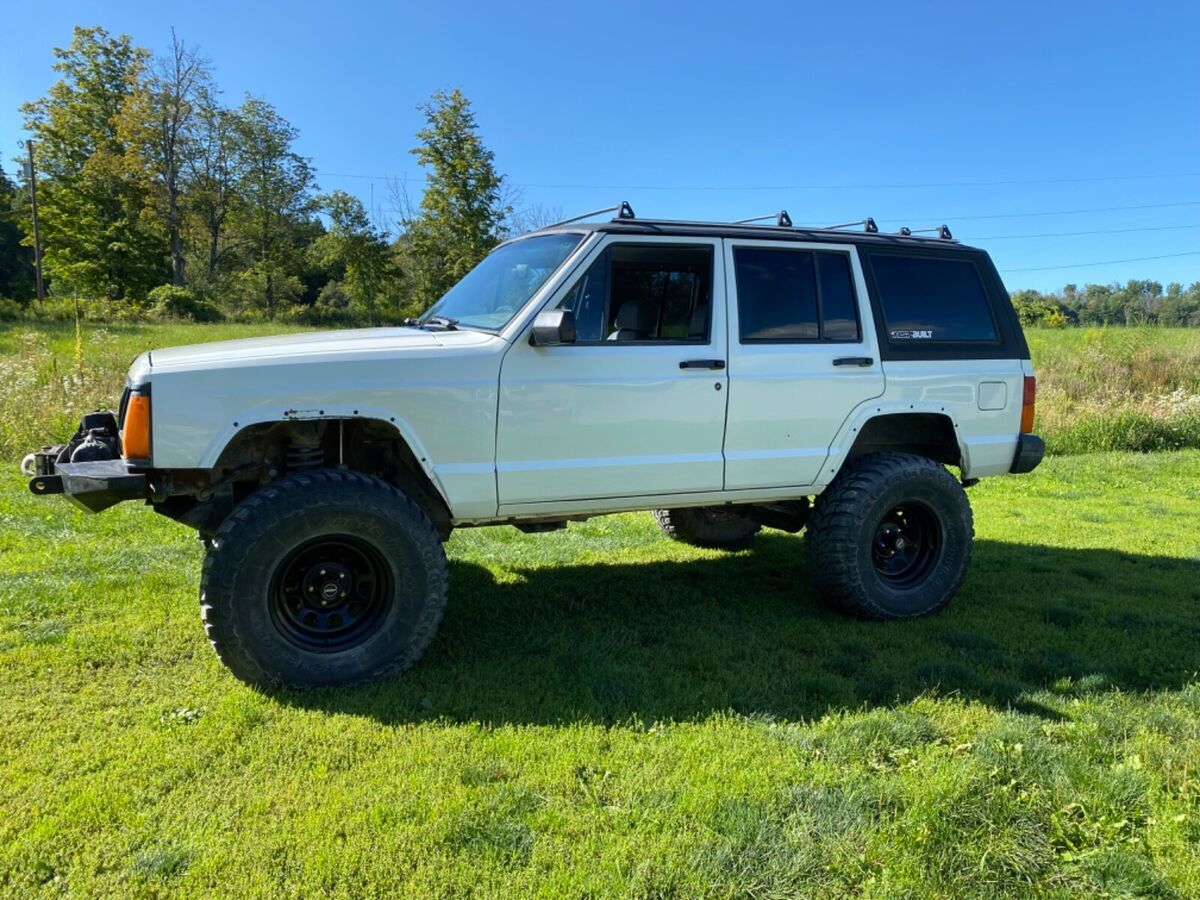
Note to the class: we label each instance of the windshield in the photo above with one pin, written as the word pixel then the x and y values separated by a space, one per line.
pixel 491 293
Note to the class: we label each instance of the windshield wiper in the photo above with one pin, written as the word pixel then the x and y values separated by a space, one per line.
pixel 444 322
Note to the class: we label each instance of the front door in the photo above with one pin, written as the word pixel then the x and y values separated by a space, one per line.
pixel 802 356
pixel 636 406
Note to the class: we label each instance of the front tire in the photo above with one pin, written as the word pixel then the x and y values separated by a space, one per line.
pixel 322 578
pixel 891 537
pixel 707 526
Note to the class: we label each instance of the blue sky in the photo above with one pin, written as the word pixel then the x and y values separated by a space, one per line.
pixel 978 115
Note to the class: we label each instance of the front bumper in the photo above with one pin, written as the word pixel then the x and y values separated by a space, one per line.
pixel 92 486
pixel 1030 450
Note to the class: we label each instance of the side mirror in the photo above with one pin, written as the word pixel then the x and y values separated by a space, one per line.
pixel 553 327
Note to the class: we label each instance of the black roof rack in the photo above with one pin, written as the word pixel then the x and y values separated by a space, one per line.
pixel 781 222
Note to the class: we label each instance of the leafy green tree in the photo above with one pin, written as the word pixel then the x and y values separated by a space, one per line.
pixel 96 241
pixel 161 124
pixel 359 249
pixel 462 212
pixel 211 185
pixel 272 192
pixel 1035 308
pixel 16 260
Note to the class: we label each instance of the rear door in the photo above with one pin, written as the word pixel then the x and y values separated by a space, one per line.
pixel 802 356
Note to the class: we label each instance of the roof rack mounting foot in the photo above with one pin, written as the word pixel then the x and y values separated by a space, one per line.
pixel 625 211
pixel 944 233
pixel 869 226
pixel 783 220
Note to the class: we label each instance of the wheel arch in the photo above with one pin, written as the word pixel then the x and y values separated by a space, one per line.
pixel 264 450
pixel 927 430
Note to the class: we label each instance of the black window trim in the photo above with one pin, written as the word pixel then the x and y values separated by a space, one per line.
pixel 1010 340
pixel 814 251
pixel 604 248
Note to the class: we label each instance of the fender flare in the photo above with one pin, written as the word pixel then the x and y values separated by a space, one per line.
pixel 227 434
pixel 844 440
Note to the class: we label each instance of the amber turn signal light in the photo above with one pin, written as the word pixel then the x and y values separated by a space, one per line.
pixel 135 436
pixel 1028 401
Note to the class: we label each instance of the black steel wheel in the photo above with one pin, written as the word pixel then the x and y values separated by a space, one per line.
pixel 324 577
pixel 906 545
pixel 330 593
pixel 891 537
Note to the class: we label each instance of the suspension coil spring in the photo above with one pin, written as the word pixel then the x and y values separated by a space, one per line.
pixel 304 456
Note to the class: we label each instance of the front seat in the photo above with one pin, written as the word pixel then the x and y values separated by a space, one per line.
pixel 635 321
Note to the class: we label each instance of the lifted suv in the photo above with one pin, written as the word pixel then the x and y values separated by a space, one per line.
pixel 728 377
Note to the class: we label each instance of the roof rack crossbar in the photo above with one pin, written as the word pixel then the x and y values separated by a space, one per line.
pixel 868 225
pixel 782 219
pixel 622 209
pixel 940 230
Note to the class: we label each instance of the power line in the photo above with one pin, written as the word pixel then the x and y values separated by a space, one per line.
pixel 796 187
pixel 1028 215
pixel 1104 262
pixel 1051 234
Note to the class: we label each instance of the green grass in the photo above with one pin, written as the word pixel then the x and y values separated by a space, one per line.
pixel 605 713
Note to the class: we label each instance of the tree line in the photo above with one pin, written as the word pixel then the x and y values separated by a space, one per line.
pixel 156 196
pixel 1137 302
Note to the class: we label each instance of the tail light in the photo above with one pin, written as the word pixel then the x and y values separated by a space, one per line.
pixel 1028 401
pixel 135 433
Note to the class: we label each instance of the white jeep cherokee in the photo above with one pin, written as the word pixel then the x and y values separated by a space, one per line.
pixel 727 377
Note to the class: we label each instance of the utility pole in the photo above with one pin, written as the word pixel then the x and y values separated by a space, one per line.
pixel 37 237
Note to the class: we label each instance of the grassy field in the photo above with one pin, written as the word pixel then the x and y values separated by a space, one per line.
pixel 607 713
pixel 1114 389
pixel 1117 388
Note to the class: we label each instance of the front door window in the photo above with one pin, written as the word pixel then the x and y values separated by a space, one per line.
pixel 640 292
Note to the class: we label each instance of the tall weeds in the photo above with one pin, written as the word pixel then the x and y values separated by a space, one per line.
pixel 1118 389
pixel 41 399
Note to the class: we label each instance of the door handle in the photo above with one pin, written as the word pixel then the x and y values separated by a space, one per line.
pixel 861 361
pixel 702 364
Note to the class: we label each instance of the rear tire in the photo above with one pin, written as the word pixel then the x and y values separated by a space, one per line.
pixel 707 526
pixel 891 537
pixel 321 578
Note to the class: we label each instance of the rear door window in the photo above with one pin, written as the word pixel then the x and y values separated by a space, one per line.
pixel 929 300
pixel 794 296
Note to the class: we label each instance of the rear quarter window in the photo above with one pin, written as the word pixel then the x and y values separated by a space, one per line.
pixel 932 300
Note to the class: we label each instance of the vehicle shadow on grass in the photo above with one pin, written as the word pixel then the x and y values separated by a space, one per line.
pixel 685 639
